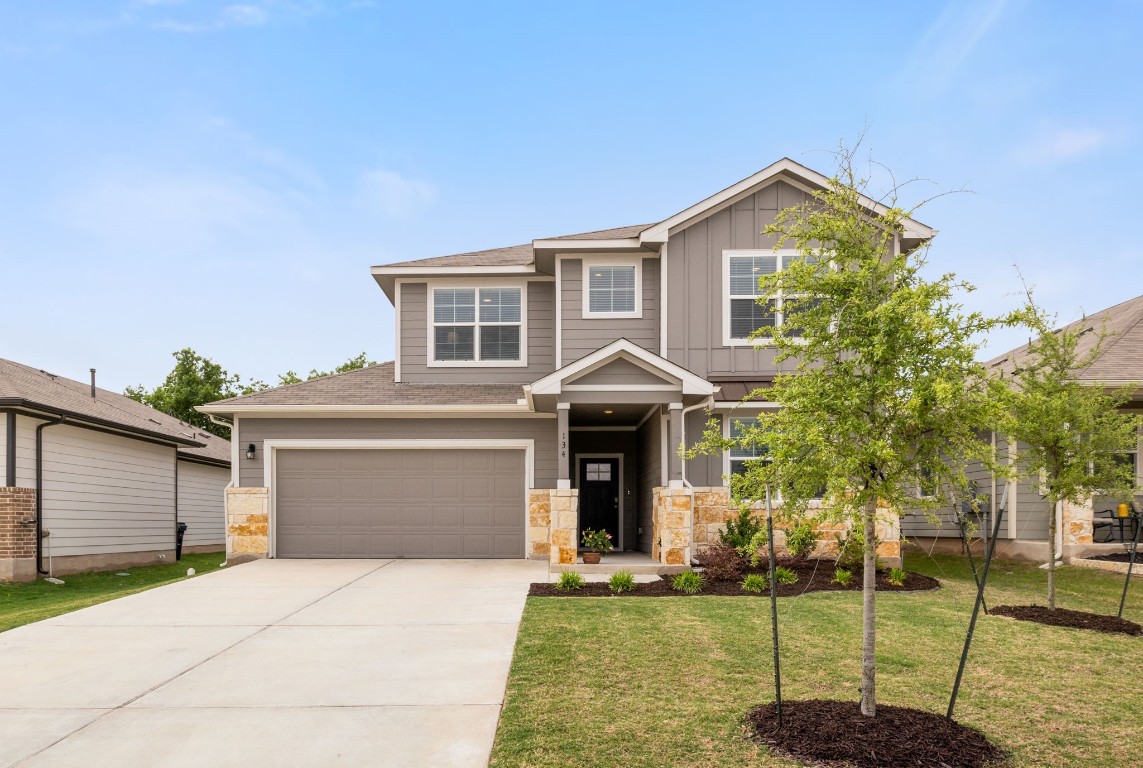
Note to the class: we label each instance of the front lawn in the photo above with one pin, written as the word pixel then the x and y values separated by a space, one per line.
pixel 24 603
pixel 666 682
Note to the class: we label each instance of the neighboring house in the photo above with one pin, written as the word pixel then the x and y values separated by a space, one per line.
pixel 106 478
pixel 537 390
pixel 1083 529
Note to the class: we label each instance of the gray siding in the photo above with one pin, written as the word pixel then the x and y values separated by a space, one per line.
pixel 202 503
pixel 581 335
pixel 701 470
pixel 541 340
pixel 106 494
pixel 920 525
pixel 615 442
pixel 619 372
pixel 649 446
pixel 694 283
pixel 1031 511
pixel 543 431
pixel 25 451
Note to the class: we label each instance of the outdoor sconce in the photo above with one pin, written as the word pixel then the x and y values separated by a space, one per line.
pixel 250 451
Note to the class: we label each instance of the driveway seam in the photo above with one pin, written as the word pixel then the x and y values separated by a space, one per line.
pixel 260 630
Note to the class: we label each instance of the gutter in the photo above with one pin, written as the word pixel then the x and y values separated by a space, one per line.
pixel 37 410
pixel 40 491
pixel 707 403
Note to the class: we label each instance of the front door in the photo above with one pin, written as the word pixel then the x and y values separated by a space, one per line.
pixel 599 496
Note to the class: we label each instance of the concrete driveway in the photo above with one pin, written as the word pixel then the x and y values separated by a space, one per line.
pixel 276 662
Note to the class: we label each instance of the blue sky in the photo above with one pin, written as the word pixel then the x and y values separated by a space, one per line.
pixel 221 175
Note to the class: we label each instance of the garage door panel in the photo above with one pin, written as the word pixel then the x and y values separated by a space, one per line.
pixel 400 503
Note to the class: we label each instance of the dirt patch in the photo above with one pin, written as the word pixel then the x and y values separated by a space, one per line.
pixel 1062 617
pixel 1119 557
pixel 835 733
pixel 813 576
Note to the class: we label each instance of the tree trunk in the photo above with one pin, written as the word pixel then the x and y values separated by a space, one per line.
pixel 1052 556
pixel 869 614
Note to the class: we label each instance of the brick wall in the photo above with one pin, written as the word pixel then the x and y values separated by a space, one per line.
pixel 17 539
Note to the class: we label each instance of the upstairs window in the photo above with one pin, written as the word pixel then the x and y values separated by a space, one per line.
pixel 611 289
pixel 477 325
pixel 746 309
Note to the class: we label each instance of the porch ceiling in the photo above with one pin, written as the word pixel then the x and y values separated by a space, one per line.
pixel 594 415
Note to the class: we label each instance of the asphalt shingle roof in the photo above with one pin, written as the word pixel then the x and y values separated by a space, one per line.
pixel 375 385
pixel 24 385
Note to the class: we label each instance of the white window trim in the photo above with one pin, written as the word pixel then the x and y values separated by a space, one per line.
pixel 272 446
pixel 727 255
pixel 589 262
pixel 430 324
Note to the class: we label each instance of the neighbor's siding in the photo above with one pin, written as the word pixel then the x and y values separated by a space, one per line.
pixel 25 451
pixel 106 493
pixel 614 442
pixel 414 339
pixel 4 447
pixel 919 525
pixel 582 336
pixel 649 448
pixel 695 283
pixel 542 431
pixel 202 503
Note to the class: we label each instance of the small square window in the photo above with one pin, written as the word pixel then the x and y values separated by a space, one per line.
pixel 611 290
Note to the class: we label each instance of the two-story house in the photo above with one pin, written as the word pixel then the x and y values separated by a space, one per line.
pixel 537 390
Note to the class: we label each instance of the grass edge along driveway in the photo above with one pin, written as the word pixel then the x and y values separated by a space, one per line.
pixel 665 681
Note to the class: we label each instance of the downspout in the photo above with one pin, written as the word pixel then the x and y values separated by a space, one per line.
pixel 40 491
pixel 707 403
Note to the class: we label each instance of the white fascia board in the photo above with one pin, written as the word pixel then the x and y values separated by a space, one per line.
pixel 511 269
pixel 573 246
pixel 786 168
pixel 552 384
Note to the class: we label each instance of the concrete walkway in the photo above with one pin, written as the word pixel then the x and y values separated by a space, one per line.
pixel 276 662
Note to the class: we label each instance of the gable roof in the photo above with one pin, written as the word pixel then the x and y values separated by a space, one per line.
pixel 553 383
pixel 1121 359
pixel 22 386
pixel 372 389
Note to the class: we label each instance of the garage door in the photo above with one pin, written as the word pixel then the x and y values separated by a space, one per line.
pixel 399 503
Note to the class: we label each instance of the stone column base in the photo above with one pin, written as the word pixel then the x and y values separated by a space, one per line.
pixel 247 523
pixel 564 534
pixel 672 521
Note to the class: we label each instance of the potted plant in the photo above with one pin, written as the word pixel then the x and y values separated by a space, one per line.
pixel 597 543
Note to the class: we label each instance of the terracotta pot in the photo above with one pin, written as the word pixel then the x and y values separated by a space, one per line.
pixel 590 558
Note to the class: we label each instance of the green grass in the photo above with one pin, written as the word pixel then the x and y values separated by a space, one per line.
pixel 666 681
pixel 24 603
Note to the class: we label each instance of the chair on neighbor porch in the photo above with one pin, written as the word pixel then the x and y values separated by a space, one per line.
pixel 1111 521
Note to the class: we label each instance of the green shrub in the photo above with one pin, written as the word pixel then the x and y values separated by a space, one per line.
pixel 784 575
pixel 801 540
pixel 851 551
pixel 568 581
pixel 689 582
pixel 621 581
pixel 751 551
pixel 722 562
pixel 741 529
pixel 754 582
pixel 897 577
pixel 842 576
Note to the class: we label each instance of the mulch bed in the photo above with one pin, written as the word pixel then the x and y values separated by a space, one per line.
pixel 835 733
pixel 1119 557
pixel 813 576
pixel 1062 617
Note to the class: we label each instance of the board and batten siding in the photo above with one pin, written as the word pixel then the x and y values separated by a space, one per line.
pixel 541 330
pixel 583 335
pixel 542 431
pixel 649 447
pixel 695 298
pixel 106 493
pixel 202 503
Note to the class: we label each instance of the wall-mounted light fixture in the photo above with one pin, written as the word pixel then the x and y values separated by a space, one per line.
pixel 250 451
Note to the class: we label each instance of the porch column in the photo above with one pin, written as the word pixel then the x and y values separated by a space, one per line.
pixel 563 476
pixel 675 437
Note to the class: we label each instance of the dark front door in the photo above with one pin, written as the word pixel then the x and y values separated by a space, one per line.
pixel 599 496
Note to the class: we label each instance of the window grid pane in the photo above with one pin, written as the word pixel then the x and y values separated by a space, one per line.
pixel 454 306
pixel 499 305
pixel 499 342
pixel 745 271
pixel 611 289
pixel 737 429
pixel 453 342
pixel 748 315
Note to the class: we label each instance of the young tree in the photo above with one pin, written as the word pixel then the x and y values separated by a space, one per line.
pixel 885 394
pixel 195 380
pixel 1070 434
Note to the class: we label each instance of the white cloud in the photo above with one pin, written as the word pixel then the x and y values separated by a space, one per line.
pixel 1055 145
pixel 394 195
pixel 244 16
pixel 948 42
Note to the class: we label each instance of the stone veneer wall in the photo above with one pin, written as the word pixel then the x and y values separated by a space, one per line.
pixel 564 528
pixel 672 520
pixel 247 522
pixel 1077 524
pixel 712 508
pixel 17 539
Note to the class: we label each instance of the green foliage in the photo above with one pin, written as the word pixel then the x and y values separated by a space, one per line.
pixel 688 582
pixel 568 581
pixel 801 539
pixel 851 550
pixel 597 541
pixel 783 575
pixel 897 577
pixel 752 552
pixel 352 364
pixel 755 582
pixel 621 581
pixel 740 530
pixel 842 576
pixel 722 562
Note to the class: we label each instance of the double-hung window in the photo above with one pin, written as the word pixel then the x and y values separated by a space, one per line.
pixel 739 455
pixel 747 309
pixel 477 325
pixel 611 288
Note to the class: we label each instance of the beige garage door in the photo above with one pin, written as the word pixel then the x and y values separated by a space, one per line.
pixel 399 503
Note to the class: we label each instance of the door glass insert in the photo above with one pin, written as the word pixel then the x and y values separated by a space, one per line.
pixel 601 472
